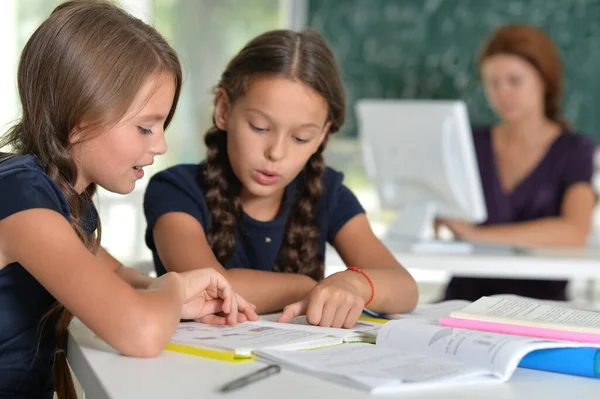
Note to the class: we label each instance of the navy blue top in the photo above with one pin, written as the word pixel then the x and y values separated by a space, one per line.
pixel 26 347
pixel 181 189
pixel 568 160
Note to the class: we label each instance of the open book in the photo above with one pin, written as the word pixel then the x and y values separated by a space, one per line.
pixel 411 354
pixel 527 317
pixel 241 340
pixel 431 312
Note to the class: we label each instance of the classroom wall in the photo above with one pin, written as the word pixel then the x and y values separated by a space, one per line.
pixel 427 49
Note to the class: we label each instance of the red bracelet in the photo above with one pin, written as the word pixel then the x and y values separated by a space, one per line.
pixel 356 269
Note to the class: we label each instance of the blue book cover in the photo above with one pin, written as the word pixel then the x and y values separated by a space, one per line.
pixel 576 361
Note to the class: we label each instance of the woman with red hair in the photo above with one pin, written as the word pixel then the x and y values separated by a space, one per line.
pixel 536 171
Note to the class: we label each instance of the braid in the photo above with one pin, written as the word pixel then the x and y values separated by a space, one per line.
pixel 61 168
pixel 299 252
pixel 222 196
pixel 63 171
pixel 58 164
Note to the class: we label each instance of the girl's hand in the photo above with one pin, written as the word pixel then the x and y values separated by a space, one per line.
pixel 246 312
pixel 336 301
pixel 207 292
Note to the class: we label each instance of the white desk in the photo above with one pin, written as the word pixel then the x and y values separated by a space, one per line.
pixel 105 374
pixel 538 264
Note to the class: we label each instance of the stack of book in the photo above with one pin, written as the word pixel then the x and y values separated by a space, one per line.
pixel 414 351
pixel 531 318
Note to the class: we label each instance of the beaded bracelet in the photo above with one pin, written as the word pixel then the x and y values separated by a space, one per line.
pixel 356 269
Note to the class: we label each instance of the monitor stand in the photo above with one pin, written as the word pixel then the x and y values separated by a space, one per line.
pixel 414 223
pixel 413 231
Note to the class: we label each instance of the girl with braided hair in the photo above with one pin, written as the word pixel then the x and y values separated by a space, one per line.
pixel 262 206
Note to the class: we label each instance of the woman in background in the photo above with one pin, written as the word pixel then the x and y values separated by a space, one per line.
pixel 535 170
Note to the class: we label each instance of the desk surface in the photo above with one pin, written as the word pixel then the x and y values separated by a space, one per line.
pixel 103 373
pixel 539 263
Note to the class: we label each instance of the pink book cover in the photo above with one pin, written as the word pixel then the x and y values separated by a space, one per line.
pixel 519 330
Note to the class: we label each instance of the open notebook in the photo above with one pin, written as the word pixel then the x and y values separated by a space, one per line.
pixel 410 354
pixel 238 343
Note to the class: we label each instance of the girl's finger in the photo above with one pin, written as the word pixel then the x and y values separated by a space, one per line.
pixel 353 316
pixel 341 314
pixel 292 310
pixel 233 311
pixel 213 319
pixel 211 306
pixel 314 310
pixel 329 310
pixel 246 308
pixel 225 292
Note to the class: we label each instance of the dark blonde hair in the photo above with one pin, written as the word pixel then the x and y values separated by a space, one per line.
pixel 85 62
pixel 303 57
pixel 534 46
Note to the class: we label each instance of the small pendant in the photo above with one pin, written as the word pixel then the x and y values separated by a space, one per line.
pixel 267 239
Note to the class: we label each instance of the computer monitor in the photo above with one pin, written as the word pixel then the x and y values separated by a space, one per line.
pixel 421 157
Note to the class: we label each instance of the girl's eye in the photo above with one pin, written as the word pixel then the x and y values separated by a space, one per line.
pixel 144 131
pixel 300 140
pixel 256 128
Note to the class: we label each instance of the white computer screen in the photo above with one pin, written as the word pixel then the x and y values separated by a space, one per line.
pixel 420 154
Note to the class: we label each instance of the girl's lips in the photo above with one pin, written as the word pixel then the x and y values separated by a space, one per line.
pixel 266 177
pixel 138 172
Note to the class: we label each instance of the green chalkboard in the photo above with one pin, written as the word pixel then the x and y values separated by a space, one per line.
pixel 428 48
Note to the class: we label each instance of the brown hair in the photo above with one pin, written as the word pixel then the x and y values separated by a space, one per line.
pixel 298 56
pixel 85 62
pixel 534 46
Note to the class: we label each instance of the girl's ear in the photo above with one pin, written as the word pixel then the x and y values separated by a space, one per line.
pixel 323 134
pixel 222 108
pixel 77 134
